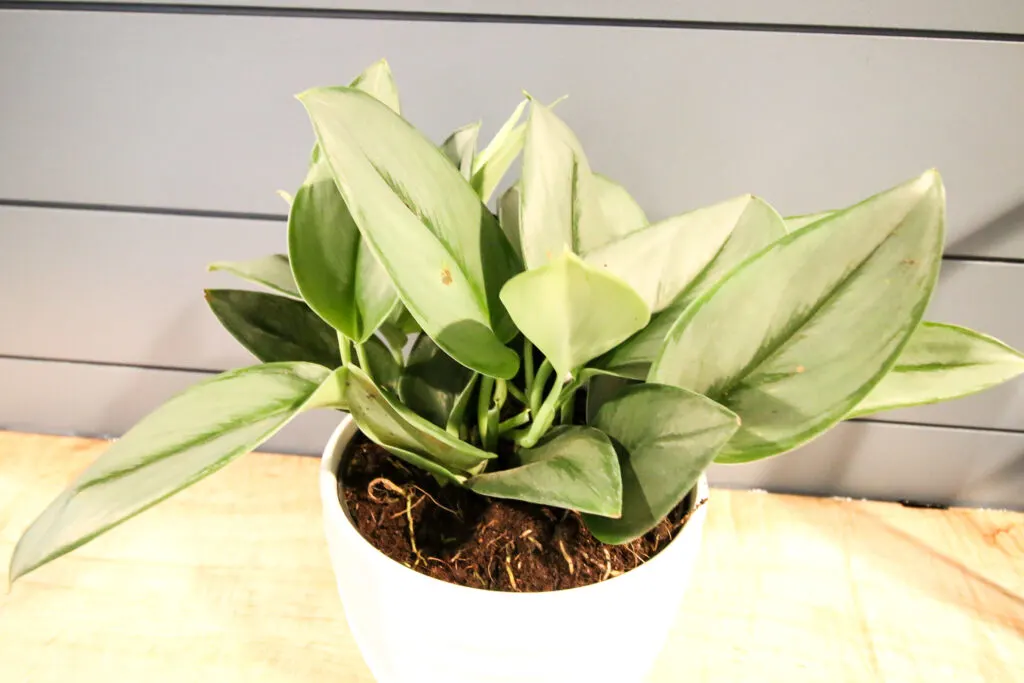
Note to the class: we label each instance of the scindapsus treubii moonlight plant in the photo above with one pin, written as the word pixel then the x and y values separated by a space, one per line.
pixel 724 334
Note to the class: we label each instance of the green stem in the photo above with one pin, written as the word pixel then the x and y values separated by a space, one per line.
pixel 346 349
pixel 518 394
pixel 483 404
pixel 528 364
pixel 537 390
pixel 545 417
pixel 364 362
pixel 568 408
pixel 513 422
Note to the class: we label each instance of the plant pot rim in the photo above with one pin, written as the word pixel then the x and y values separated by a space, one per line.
pixel 336 514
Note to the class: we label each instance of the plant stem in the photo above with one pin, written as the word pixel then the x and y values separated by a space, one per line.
pixel 545 417
pixel 518 393
pixel 345 346
pixel 568 408
pixel 537 390
pixel 364 362
pixel 483 404
pixel 514 421
pixel 528 364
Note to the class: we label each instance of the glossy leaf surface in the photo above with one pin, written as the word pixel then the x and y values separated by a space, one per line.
pixel 572 311
pixel 793 339
pixel 939 363
pixel 442 249
pixel 189 437
pixel 431 381
pixel 275 328
pixel 574 468
pixel 665 438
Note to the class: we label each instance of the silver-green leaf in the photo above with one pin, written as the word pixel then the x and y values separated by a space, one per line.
pixel 573 312
pixel 794 223
pixel 431 381
pixel 273 272
pixel 942 362
pixel 494 160
pixel 574 468
pixel 676 260
pixel 275 328
pixel 460 148
pixel 392 425
pixel 189 437
pixel 441 247
pixel 665 438
pixel 621 211
pixel 794 338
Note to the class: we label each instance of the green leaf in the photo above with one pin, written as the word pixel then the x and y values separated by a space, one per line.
pixel 939 363
pixel 665 438
pixel 460 147
pixel 443 249
pixel 432 381
pixel 508 217
pixel 191 436
pixel 388 423
pixel 275 328
pixel 665 261
pixel 793 339
pixel 572 311
pixel 336 272
pixel 794 223
pixel 574 468
pixel 383 366
pixel 378 82
pixel 493 162
pixel 620 210
pixel 559 204
pixel 677 260
pixel 273 272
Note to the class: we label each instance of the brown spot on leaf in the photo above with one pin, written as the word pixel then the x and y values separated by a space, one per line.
pixel 909 262
pixel 799 369
pixel 446 276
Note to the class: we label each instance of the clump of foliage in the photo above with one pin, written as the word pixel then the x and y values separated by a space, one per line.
pixel 725 334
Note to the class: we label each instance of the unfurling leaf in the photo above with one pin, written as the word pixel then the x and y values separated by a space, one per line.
pixel 574 467
pixel 796 337
pixel 442 249
pixel 665 438
pixel 572 311
pixel 674 261
pixel 273 272
pixel 460 147
pixel 189 437
pixel 940 363
pixel 493 162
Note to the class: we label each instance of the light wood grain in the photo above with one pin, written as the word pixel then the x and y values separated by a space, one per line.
pixel 230 581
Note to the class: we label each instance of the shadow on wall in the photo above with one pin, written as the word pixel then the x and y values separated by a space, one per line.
pixel 988 238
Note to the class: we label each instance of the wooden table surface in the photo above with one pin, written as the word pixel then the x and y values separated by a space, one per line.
pixel 229 581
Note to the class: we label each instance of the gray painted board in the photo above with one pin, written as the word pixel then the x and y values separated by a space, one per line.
pixel 895 462
pixel 97 400
pixel 1005 16
pixel 858 459
pixel 683 117
pixel 127 288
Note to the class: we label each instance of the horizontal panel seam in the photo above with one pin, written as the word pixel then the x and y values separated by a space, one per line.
pixel 207 371
pixel 493 18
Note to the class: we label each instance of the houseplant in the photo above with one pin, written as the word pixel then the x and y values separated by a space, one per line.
pixel 567 354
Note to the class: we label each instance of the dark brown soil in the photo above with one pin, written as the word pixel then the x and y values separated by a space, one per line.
pixel 468 539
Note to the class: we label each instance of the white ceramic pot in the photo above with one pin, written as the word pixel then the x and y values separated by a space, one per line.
pixel 412 628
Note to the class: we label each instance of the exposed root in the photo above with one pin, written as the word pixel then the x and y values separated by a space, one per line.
pixel 386 483
pixel 399 514
pixel 434 501
pixel 536 544
pixel 568 560
pixel 608 568
pixel 526 533
pixel 508 570
pixel 412 529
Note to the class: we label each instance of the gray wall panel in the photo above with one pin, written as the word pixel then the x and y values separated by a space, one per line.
pixel 96 400
pixel 895 462
pixel 1005 16
pixel 127 288
pixel 196 111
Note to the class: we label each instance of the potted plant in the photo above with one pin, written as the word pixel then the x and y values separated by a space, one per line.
pixel 518 494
